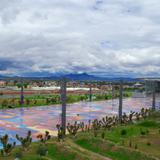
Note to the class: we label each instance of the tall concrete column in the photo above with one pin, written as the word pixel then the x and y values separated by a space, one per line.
pixel 120 100
pixel 90 93
pixel 113 91
pixel 22 95
pixel 63 101
pixel 153 96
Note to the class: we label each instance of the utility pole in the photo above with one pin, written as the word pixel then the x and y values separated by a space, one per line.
pixel 153 95
pixel 90 92
pixel 22 94
pixel 120 100
pixel 113 91
pixel 63 101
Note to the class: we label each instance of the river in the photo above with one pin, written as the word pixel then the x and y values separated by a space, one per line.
pixel 40 119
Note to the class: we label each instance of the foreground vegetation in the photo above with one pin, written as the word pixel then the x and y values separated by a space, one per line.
pixel 40 100
pixel 134 137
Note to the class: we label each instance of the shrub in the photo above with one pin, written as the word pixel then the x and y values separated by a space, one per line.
pixel 142 132
pixel 103 135
pixel 42 150
pixel 148 143
pixel 18 154
pixel 4 103
pixel 149 123
pixel 130 143
pixel 136 146
pixel 123 132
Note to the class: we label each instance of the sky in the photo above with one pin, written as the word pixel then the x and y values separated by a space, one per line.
pixel 99 37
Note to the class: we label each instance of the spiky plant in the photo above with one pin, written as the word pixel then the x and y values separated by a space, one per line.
pixel 96 125
pixel 73 129
pixel 60 134
pixel 131 116
pixel 144 113
pixel 106 122
pixel 7 147
pixel 25 141
pixel 82 126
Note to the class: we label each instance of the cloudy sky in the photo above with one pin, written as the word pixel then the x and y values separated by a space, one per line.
pixel 101 37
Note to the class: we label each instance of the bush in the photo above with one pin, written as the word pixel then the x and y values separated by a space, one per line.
pixel 18 154
pixel 148 143
pixel 149 123
pixel 143 132
pixel 130 143
pixel 123 132
pixel 42 150
pixel 103 135
pixel 136 146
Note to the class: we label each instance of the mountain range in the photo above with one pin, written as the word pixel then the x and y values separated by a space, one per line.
pixel 73 76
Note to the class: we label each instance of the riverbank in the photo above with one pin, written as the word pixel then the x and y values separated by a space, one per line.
pixel 138 140
pixel 50 99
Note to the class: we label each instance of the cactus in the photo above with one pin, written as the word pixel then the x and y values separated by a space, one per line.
pixel 96 125
pixel 106 122
pixel 144 113
pixel 26 141
pixel 82 126
pixel 44 138
pixel 73 129
pixel 7 147
pixel 137 116
pixel 60 134
pixel 124 119
pixel 131 116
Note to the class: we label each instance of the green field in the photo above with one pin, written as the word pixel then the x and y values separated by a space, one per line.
pixel 50 99
pixel 137 141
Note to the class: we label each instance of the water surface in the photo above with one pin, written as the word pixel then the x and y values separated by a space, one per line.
pixel 40 119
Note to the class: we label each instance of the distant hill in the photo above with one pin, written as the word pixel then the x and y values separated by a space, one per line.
pixel 88 77
pixel 74 76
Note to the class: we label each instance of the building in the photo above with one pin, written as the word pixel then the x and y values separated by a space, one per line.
pixel 150 83
pixel 2 83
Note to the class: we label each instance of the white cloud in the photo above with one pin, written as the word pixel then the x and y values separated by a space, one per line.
pixel 94 36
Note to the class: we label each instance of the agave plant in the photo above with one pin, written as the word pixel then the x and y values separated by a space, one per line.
pixel 25 141
pixel 7 147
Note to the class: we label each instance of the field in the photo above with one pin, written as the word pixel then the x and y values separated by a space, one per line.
pixel 137 141
pixel 49 99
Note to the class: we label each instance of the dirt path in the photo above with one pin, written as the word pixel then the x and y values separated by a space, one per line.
pixel 89 154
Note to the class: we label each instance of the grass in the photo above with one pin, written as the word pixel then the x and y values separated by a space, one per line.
pixel 50 99
pixel 111 150
pixel 138 141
